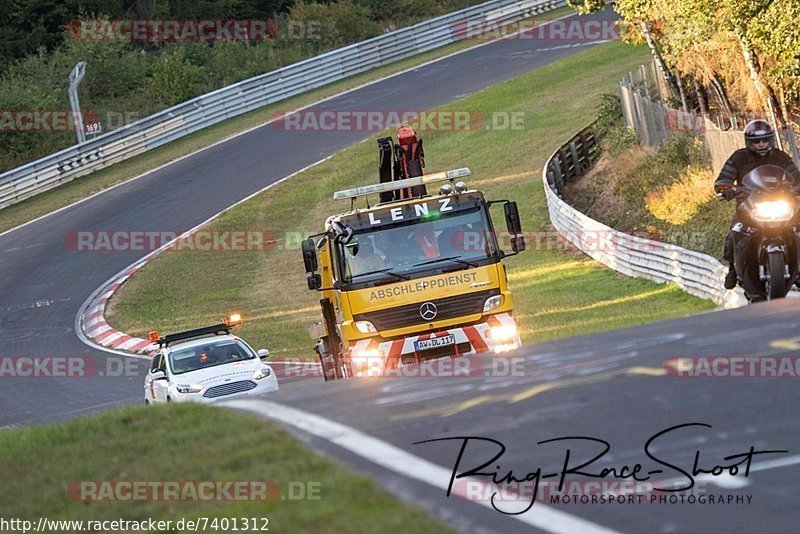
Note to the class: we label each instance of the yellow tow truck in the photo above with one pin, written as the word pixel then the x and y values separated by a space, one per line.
pixel 414 277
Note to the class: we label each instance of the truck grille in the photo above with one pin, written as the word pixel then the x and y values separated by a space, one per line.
pixel 447 308
pixel 229 389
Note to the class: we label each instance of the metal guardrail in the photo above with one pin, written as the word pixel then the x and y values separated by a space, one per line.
pixel 572 159
pixel 208 109
pixel 696 273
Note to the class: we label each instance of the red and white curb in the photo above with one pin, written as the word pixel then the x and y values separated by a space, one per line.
pixel 95 327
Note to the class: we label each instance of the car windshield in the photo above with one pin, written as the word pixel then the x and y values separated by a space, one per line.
pixel 401 252
pixel 209 355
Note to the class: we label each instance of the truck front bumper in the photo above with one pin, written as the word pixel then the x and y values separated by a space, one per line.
pixel 497 334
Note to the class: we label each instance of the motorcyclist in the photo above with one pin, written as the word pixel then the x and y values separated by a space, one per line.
pixel 759 140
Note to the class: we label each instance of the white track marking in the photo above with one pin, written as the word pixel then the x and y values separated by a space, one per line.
pixel 404 463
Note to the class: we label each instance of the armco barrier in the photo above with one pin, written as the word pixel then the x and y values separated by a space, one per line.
pixel 696 273
pixel 206 110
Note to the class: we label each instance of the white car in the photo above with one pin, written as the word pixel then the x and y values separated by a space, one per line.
pixel 206 369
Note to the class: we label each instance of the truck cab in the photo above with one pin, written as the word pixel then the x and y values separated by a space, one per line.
pixel 412 279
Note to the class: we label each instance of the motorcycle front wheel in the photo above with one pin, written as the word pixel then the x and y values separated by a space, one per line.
pixel 776 283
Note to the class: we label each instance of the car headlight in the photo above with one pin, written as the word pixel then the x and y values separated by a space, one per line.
pixel 191 388
pixel 262 373
pixel 775 210
pixel 365 327
pixel 492 303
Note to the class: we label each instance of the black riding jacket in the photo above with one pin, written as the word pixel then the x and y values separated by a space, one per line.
pixel 743 161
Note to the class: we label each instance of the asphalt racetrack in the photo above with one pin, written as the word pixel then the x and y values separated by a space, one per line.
pixel 615 386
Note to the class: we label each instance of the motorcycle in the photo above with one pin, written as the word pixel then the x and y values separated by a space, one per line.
pixel 766 238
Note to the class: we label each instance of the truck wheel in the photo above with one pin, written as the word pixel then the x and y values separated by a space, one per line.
pixel 328 370
pixel 776 284
pixel 326 362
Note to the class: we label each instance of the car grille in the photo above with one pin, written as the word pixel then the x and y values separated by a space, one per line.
pixel 408 315
pixel 229 389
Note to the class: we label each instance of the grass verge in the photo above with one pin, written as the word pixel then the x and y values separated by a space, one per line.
pixel 202 444
pixel 85 186
pixel 557 294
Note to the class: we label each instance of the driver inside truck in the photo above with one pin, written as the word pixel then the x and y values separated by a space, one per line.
pixel 362 257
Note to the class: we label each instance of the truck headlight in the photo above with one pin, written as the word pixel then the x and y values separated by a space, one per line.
pixel 191 388
pixel 776 210
pixel 492 303
pixel 362 356
pixel 505 338
pixel 368 362
pixel 503 332
pixel 262 373
pixel 365 327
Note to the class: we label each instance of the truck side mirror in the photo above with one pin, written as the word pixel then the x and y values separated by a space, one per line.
pixel 518 243
pixel 512 218
pixel 314 282
pixel 309 255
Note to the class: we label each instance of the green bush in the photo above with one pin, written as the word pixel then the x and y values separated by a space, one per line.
pixel 615 137
pixel 609 113
pixel 328 26
pixel 175 79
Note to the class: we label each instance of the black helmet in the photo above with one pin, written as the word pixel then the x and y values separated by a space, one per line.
pixel 759 130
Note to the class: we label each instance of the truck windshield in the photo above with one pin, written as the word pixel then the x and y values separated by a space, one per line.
pixel 387 253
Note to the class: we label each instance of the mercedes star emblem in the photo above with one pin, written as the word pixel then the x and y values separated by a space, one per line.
pixel 428 311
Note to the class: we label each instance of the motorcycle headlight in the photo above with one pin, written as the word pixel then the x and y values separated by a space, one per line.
pixel 492 303
pixel 775 210
pixel 190 388
pixel 262 373
pixel 365 327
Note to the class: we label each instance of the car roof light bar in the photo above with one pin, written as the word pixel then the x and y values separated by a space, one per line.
pixel 221 328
